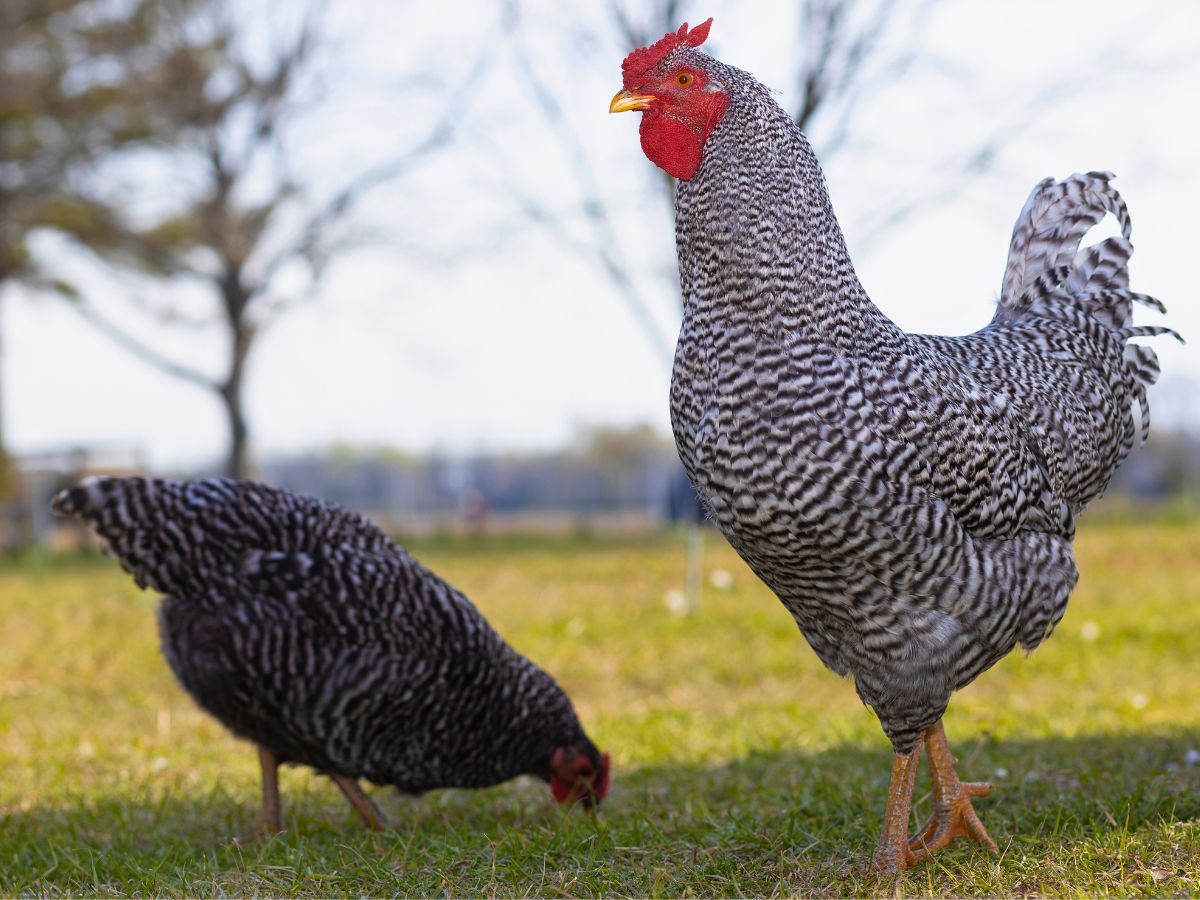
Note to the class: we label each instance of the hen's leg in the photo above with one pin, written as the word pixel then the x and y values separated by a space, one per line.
pixel 271 822
pixel 893 853
pixel 953 814
pixel 370 813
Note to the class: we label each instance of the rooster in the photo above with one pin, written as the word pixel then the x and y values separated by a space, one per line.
pixel 911 499
pixel 303 628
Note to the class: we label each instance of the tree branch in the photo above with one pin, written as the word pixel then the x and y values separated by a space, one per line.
pixel 604 243
pixel 308 244
pixel 605 256
pixel 961 176
pixel 143 351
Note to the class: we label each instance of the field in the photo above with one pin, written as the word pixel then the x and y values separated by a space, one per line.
pixel 741 766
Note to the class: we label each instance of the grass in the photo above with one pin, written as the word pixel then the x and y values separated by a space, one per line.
pixel 742 766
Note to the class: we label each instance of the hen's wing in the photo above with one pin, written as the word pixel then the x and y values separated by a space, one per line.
pixel 365 596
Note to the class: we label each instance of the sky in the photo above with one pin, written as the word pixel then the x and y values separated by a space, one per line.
pixel 462 327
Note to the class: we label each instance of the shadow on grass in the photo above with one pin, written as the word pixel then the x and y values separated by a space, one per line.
pixel 737 827
pixel 829 804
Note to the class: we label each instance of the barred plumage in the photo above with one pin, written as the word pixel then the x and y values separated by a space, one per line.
pixel 910 498
pixel 302 627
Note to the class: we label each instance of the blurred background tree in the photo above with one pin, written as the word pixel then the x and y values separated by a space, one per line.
pixel 68 70
pixel 221 113
pixel 227 212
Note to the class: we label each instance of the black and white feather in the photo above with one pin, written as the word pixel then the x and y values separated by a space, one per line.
pixel 910 498
pixel 302 627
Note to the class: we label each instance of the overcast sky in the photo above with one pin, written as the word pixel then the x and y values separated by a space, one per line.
pixel 414 345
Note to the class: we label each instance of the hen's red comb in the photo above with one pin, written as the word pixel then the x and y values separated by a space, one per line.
pixel 640 61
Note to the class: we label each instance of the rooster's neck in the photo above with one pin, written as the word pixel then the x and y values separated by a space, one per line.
pixel 757 236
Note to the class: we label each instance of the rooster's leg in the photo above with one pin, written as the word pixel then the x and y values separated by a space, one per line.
pixel 893 853
pixel 953 814
pixel 271 822
pixel 370 813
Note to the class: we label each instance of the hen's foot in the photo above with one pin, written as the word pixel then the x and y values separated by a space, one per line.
pixel 271 822
pixel 365 806
pixel 953 814
pixel 893 855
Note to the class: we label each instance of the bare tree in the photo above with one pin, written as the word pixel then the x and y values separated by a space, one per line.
pixel 252 232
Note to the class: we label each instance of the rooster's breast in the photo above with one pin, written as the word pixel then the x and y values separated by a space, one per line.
pixel 748 455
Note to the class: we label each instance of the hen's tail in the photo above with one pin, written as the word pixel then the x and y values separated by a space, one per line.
pixel 150 525
pixel 199 538
pixel 1049 275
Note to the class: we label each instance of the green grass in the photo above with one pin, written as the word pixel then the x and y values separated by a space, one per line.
pixel 742 766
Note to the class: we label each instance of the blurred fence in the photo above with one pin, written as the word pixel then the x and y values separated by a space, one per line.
pixel 608 481
pixel 552 491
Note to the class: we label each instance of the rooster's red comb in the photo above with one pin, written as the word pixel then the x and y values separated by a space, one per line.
pixel 640 61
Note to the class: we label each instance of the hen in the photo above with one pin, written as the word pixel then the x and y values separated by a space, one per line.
pixel 910 498
pixel 303 628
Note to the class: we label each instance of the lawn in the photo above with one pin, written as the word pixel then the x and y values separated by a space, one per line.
pixel 741 765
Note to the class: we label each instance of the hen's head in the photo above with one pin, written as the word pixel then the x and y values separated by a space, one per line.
pixel 679 95
pixel 579 773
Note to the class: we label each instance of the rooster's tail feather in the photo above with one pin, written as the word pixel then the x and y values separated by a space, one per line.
pixel 1052 223
pixel 1049 275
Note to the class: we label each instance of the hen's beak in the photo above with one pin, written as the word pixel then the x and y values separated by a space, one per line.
pixel 624 101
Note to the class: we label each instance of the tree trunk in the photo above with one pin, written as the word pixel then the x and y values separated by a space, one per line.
pixel 237 463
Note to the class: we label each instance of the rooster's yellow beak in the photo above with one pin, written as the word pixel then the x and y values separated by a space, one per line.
pixel 624 101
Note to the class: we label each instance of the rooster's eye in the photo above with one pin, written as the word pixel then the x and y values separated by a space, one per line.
pixel 683 79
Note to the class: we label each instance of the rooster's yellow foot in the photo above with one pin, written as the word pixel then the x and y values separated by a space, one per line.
pixel 954 817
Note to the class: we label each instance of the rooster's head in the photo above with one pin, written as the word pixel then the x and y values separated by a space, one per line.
pixel 680 99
